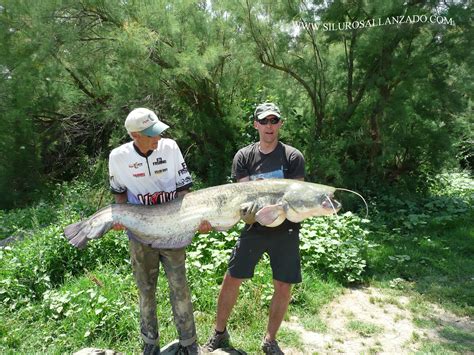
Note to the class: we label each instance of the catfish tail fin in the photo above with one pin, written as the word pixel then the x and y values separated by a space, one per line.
pixel 94 227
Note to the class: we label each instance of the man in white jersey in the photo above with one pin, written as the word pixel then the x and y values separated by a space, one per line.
pixel 151 170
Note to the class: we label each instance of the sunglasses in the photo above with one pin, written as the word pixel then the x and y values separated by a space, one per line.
pixel 273 120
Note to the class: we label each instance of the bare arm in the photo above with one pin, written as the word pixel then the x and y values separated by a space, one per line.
pixel 120 198
pixel 182 193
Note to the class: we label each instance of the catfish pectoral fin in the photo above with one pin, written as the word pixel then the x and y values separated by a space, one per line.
pixel 248 211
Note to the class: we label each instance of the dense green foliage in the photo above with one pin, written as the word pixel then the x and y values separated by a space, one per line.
pixel 67 299
pixel 427 243
pixel 368 106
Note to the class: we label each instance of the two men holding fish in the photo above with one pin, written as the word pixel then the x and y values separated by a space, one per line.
pixel 156 173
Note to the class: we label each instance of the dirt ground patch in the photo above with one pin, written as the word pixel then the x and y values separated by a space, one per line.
pixel 366 320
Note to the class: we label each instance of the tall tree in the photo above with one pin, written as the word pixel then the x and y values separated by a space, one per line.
pixel 365 103
pixel 368 85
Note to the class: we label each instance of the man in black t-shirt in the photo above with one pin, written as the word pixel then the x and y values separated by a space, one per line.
pixel 268 158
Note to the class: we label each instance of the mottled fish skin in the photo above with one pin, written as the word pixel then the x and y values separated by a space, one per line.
pixel 173 225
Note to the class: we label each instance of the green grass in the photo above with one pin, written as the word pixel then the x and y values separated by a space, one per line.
pixel 99 309
pixel 443 348
pixel 425 252
pixel 364 329
pixel 314 323
pixel 80 311
pixel 290 338
pixel 437 266
pixel 457 335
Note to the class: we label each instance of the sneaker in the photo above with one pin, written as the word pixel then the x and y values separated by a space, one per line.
pixel 151 349
pixel 217 341
pixel 192 349
pixel 271 347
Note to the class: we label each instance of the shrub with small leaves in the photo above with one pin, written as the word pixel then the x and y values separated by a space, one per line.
pixel 335 246
pixel 209 253
pixel 46 259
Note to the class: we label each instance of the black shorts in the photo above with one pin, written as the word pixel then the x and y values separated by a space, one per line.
pixel 282 246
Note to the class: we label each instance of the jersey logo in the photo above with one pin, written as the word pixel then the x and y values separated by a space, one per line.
pixel 160 171
pixel 139 175
pixel 159 161
pixel 156 198
pixel 135 165
pixel 184 169
pixel 184 181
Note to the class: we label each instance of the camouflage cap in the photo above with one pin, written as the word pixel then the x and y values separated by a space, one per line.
pixel 266 109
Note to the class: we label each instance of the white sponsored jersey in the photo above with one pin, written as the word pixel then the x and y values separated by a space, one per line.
pixel 148 179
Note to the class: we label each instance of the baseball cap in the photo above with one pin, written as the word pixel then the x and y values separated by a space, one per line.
pixel 266 109
pixel 144 121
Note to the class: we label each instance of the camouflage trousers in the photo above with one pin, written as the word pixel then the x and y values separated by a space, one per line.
pixel 145 264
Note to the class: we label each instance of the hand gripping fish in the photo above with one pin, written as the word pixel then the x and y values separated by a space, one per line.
pixel 173 224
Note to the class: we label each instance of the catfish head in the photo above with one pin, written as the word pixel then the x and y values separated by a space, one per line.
pixel 309 200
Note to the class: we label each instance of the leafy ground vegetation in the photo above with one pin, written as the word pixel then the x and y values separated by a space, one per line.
pixel 57 299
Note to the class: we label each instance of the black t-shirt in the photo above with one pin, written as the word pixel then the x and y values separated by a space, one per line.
pixel 283 162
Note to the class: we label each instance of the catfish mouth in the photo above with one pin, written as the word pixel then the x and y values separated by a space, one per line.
pixel 329 203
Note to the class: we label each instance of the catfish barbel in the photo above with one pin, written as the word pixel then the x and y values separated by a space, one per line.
pixel 173 224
